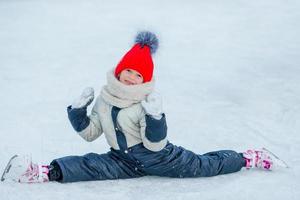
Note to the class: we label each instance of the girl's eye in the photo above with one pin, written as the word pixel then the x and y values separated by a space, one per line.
pixel 128 70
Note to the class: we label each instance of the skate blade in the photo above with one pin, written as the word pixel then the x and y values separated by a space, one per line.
pixel 7 168
pixel 279 161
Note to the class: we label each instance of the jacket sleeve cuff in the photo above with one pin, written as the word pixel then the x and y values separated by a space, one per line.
pixel 78 118
pixel 156 130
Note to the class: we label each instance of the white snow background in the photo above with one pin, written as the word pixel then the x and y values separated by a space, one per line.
pixel 228 72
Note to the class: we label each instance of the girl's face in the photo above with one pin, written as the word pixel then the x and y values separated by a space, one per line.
pixel 130 77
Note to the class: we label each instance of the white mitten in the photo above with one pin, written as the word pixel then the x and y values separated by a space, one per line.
pixel 153 105
pixel 85 99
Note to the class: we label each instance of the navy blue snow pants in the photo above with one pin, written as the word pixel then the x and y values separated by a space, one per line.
pixel 137 161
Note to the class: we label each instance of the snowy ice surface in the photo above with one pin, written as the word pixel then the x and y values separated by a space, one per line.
pixel 228 72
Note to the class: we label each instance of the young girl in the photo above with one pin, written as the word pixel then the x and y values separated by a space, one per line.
pixel 130 115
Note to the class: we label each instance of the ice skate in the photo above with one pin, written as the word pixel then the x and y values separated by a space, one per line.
pixel 22 169
pixel 262 159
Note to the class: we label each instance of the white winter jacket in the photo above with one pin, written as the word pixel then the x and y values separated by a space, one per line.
pixel 131 118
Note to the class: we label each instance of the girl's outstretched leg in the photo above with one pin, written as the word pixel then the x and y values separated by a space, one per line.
pixel 175 161
pixel 94 166
pixel 221 162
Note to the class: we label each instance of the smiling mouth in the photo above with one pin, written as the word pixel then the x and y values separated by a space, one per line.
pixel 129 82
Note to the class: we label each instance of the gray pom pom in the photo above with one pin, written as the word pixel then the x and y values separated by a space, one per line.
pixel 149 39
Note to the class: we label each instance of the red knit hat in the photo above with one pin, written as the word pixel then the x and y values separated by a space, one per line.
pixel 139 56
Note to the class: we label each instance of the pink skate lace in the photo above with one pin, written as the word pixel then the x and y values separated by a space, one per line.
pixel 258 159
pixel 35 174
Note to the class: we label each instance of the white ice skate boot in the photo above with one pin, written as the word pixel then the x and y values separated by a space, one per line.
pixel 263 159
pixel 22 169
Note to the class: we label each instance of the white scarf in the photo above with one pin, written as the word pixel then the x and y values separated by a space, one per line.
pixel 120 95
